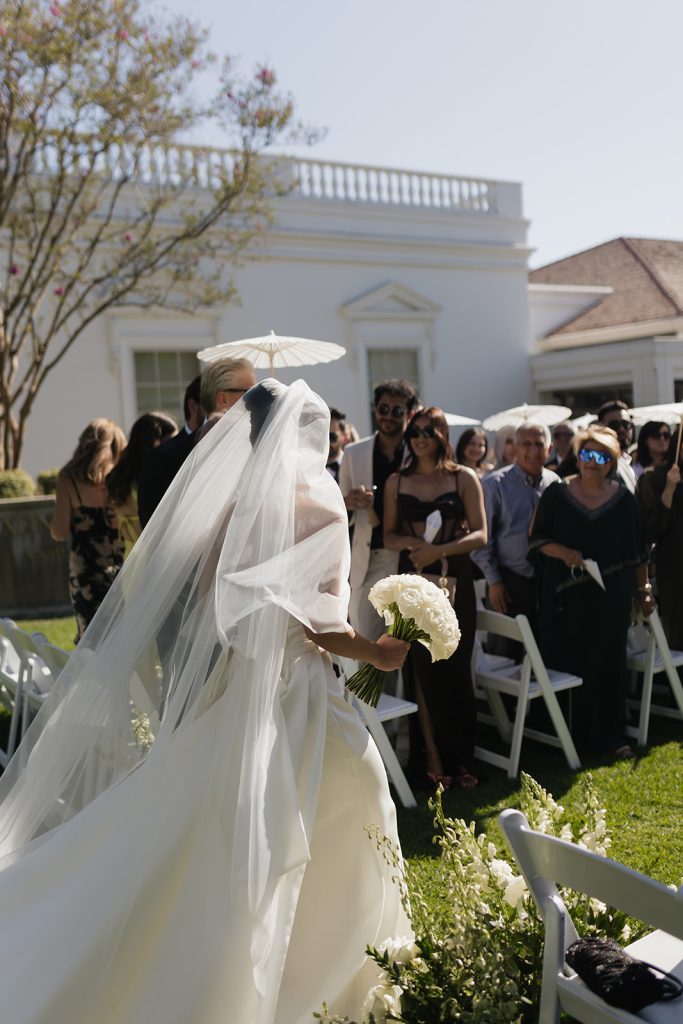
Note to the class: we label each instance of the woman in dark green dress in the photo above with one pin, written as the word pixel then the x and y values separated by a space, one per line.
pixel 583 628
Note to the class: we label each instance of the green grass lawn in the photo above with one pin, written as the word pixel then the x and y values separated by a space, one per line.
pixel 644 797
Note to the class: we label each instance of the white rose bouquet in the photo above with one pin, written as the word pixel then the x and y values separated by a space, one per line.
pixel 414 609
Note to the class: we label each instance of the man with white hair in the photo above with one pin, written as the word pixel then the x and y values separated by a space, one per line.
pixel 224 383
pixel 511 495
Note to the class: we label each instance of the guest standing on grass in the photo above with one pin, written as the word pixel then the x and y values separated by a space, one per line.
pixel 582 628
pixel 442 743
pixel 146 434
pixel 661 499
pixel 85 515
pixel 511 495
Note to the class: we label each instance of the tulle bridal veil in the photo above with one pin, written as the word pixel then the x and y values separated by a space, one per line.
pixel 185 817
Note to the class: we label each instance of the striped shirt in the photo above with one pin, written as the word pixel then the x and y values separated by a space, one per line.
pixel 510 500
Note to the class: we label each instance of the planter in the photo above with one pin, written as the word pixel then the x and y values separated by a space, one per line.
pixel 34 568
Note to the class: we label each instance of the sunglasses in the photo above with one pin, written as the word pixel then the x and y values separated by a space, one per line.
pixel 427 432
pixel 595 455
pixel 615 424
pixel 397 412
pixel 236 391
pixel 664 434
pixel 562 433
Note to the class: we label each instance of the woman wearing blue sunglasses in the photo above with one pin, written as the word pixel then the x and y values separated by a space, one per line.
pixel 583 627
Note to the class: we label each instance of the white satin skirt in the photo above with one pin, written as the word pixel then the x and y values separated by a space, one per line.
pixel 125 914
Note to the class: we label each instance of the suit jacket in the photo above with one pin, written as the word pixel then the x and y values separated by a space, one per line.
pixel 356 469
pixel 158 469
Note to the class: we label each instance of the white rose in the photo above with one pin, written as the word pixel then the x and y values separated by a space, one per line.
pixel 515 891
pixel 399 950
pixel 381 1000
pixel 502 872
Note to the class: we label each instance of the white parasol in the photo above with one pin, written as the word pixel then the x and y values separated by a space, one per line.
pixel 521 414
pixel 453 420
pixel 275 351
pixel 581 422
pixel 670 412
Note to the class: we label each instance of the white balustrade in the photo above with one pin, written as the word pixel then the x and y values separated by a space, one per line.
pixel 200 167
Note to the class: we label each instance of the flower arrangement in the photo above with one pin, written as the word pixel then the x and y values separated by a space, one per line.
pixel 414 608
pixel 478 958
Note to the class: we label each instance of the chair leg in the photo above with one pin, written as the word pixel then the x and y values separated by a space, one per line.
pixel 518 731
pixel 388 755
pixel 553 962
pixel 646 697
pixel 561 729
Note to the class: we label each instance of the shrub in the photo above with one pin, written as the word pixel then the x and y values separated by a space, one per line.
pixel 47 481
pixel 16 483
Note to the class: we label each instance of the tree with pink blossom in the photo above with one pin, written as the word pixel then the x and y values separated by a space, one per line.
pixel 99 207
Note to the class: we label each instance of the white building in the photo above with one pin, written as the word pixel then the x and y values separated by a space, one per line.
pixel 418 275
pixel 608 323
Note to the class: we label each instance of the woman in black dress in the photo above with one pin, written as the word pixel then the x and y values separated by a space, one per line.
pixel 84 514
pixel 582 628
pixel 661 500
pixel 442 741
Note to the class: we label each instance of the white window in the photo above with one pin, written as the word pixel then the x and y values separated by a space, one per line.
pixel 385 363
pixel 161 378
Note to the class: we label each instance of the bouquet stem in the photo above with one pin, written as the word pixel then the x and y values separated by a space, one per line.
pixel 368 682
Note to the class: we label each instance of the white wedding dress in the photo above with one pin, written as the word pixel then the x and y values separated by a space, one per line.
pixel 225 876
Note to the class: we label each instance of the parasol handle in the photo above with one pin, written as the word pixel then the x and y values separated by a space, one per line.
pixel 678 446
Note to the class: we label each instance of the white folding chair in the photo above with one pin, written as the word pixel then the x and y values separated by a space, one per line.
pixel 546 862
pixel 649 653
pixel 525 681
pixel 25 678
pixel 55 658
pixel 387 709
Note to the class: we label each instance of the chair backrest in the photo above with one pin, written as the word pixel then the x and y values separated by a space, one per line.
pixel 546 862
pixel 54 657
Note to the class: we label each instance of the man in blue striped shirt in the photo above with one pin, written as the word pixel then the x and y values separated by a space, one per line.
pixel 511 495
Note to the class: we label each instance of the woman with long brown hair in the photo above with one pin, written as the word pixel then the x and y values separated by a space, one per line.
pixel 84 514
pixel 442 745
pixel 148 431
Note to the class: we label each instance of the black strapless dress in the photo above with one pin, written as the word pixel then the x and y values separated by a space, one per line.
pixel 446 686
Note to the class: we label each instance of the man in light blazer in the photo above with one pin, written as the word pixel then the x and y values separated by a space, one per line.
pixel 366 466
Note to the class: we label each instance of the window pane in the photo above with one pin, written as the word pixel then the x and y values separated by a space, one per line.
pixel 145 367
pixel 161 379
pixel 169 371
pixel 384 363
pixel 189 367
pixel 171 401
pixel 148 398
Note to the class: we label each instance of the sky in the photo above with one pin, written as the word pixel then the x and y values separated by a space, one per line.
pixel 579 100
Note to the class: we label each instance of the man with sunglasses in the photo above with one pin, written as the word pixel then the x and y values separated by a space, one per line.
pixel 563 435
pixel 366 467
pixel 615 415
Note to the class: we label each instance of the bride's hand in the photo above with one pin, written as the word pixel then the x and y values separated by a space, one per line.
pixel 389 653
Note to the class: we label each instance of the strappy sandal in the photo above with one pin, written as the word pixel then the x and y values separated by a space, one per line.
pixel 466 780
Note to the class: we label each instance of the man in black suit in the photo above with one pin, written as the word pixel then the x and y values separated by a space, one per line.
pixel 219 387
pixel 161 464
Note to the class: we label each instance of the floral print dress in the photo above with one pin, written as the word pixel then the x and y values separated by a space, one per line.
pixel 95 559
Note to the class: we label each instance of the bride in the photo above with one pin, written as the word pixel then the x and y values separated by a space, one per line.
pixel 207 865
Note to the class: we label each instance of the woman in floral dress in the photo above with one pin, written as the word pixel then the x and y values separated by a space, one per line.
pixel 84 515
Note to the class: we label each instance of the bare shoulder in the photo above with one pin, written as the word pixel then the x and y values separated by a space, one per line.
pixel 469 478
